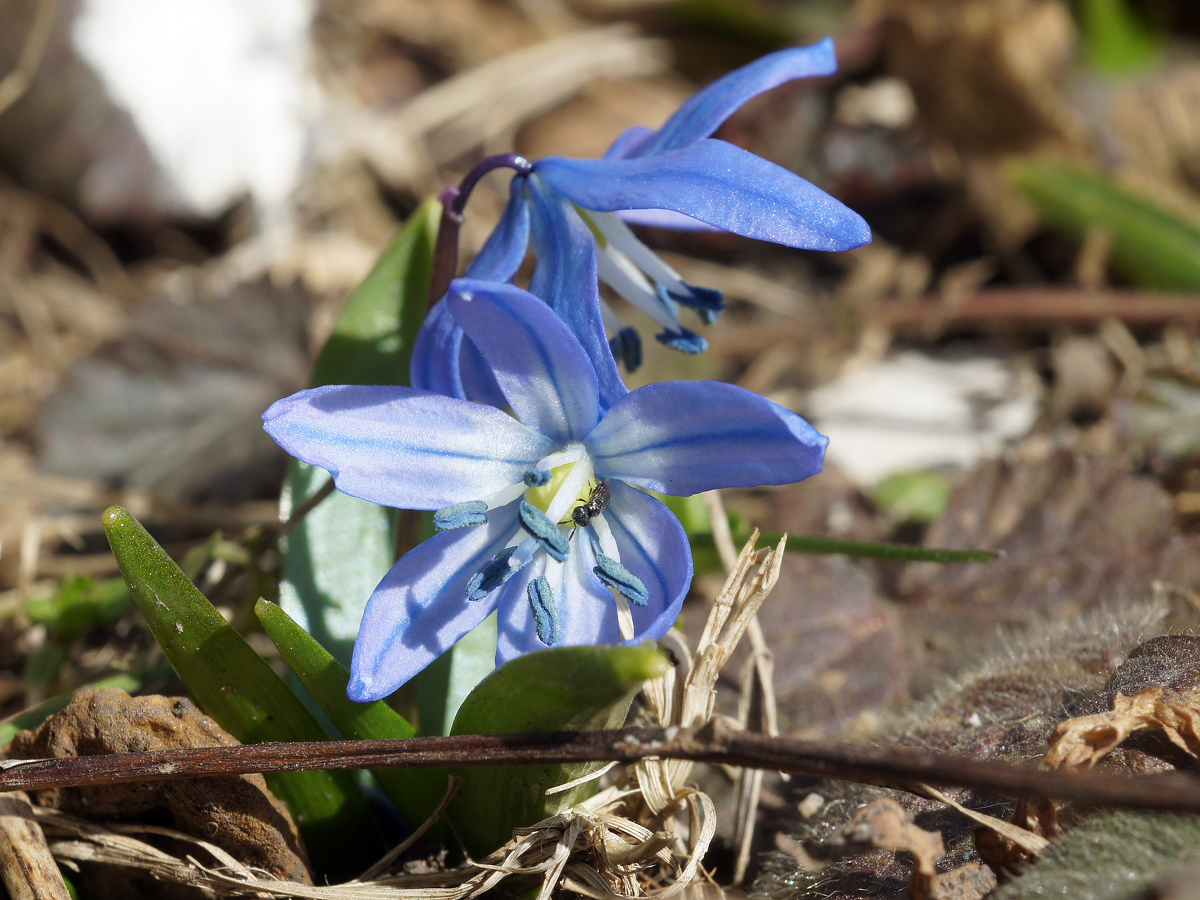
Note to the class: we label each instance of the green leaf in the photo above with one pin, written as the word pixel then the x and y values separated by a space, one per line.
pixel 79 604
pixel 559 689
pixel 878 550
pixel 920 496
pixel 1151 245
pixel 445 684
pixel 1117 41
pixel 338 554
pixel 237 687
pixel 415 792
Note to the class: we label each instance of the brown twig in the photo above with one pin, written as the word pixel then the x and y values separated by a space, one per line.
pixel 715 743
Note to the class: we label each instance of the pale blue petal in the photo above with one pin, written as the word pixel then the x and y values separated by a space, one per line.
pixel 566 278
pixel 705 110
pixel 655 548
pixel 538 363
pixel 663 218
pixel 717 183
pixel 403 447
pixel 478 381
pixel 684 437
pixel 587 609
pixel 504 250
pixel 435 360
pixel 420 609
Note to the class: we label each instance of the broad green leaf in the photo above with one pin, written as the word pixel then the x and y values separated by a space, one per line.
pixel 1116 39
pixel 237 687
pixel 338 554
pixel 919 496
pixel 36 715
pixel 560 689
pixel 415 792
pixel 445 684
pixel 1151 245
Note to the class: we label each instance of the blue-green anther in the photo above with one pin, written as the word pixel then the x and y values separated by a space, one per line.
pixel 626 347
pixel 460 515
pixel 620 579
pixel 545 611
pixel 544 531
pixel 536 477
pixel 494 573
pixel 709 303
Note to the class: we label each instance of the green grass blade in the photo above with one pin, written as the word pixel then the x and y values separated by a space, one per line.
pixel 559 689
pixel 237 687
pixel 415 792
pixel 1151 245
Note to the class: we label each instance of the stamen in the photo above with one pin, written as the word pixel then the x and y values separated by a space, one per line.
pixel 461 515
pixel 535 477
pixel 685 341
pixel 568 493
pixel 544 531
pixel 568 454
pixel 545 611
pixel 614 575
pixel 494 573
pixel 504 496
pixel 707 302
pixel 626 346
pixel 616 270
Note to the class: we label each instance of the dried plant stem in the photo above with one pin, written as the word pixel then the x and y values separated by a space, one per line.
pixel 16 83
pixel 714 743
pixel 26 863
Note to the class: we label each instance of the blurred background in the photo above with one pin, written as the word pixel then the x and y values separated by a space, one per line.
pixel 189 189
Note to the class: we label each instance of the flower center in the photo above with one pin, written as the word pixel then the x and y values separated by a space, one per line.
pixel 570 486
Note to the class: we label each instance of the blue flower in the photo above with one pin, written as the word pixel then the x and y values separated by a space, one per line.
pixel 676 176
pixel 544 519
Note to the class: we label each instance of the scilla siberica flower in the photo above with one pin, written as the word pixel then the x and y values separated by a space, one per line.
pixel 542 514
pixel 675 177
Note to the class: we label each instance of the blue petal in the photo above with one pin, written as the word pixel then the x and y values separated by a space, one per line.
pixel 566 278
pixel 538 363
pixel 682 438
pixel 435 360
pixel 504 251
pixel 655 548
pixel 587 613
pixel 716 183
pixel 704 111
pixel 420 609
pixel 403 447
pixel 629 142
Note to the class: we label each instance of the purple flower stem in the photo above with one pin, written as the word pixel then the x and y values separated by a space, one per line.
pixel 454 201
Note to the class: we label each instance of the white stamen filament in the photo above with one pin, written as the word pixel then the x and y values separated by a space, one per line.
pixel 619 272
pixel 621 238
pixel 504 496
pixel 608 544
pixel 568 454
pixel 568 492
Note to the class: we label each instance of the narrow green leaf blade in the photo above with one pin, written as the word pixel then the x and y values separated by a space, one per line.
pixel 415 792
pixel 338 554
pixel 237 687
pixel 1151 245
pixel 559 689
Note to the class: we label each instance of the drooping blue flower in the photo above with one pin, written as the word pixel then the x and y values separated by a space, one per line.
pixel 546 522
pixel 677 176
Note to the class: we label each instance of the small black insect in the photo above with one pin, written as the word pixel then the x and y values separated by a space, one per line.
pixel 597 501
